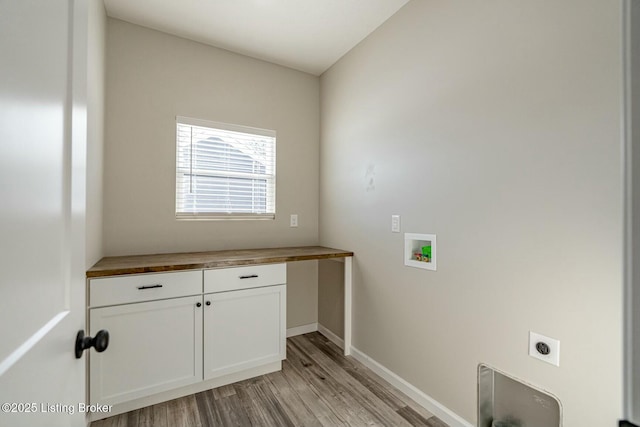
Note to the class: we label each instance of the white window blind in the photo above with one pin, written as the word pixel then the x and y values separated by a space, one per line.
pixel 224 171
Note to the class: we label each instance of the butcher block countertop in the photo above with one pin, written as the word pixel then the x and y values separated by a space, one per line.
pixel 135 264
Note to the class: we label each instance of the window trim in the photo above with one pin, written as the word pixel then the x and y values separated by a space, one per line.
pixel 208 216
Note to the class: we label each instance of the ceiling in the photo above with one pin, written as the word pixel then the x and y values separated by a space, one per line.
pixel 307 35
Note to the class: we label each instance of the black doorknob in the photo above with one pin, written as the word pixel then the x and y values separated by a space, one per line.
pixel 100 342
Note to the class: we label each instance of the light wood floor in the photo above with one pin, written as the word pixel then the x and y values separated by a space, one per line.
pixel 316 387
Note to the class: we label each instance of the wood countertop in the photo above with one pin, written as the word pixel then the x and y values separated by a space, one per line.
pixel 135 264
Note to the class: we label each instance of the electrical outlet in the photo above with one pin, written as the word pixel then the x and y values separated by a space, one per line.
pixel 395 223
pixel 294 220
pixel 544 348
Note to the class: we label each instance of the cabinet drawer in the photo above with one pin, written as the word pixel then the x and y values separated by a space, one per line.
pixel 143 287
pixel 254 276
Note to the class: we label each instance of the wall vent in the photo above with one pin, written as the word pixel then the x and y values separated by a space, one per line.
pixel 504 401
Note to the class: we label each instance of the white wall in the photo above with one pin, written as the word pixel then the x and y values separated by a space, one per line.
pixel 95 129
pixel 302 293
pixel 496 126
pixel 153 77
pixel 331 296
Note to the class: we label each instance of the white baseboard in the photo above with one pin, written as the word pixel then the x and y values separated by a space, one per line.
pixel 331 336
pixel 424 400
pixel 303 329
pixel 427 402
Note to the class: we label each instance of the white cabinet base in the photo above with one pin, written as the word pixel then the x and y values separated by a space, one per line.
pixel 156 347
pixel 132 405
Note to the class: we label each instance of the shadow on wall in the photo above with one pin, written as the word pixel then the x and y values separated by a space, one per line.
pixel 331 296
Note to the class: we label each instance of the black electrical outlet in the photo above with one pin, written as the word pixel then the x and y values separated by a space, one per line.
pixel 543 348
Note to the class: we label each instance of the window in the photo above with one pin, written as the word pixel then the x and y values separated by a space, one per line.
pixel 224 171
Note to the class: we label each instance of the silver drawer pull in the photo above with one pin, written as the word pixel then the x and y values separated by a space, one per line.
pixel 252 276
pixel 149 287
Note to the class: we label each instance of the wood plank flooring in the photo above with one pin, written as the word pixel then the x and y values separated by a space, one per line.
pixel 317 387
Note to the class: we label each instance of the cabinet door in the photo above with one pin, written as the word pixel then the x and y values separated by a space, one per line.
pixel 244 329
pixel 154 346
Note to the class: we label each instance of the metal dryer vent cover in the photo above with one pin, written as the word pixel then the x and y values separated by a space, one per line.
pixel 504 401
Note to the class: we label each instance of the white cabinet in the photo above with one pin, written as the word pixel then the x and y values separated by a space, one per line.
pixel 154 346
pixel 167 335
pixel 244 329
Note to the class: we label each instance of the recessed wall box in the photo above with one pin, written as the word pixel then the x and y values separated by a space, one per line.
pixel 420 251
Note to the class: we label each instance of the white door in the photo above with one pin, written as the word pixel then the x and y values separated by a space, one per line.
pixel 42 179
